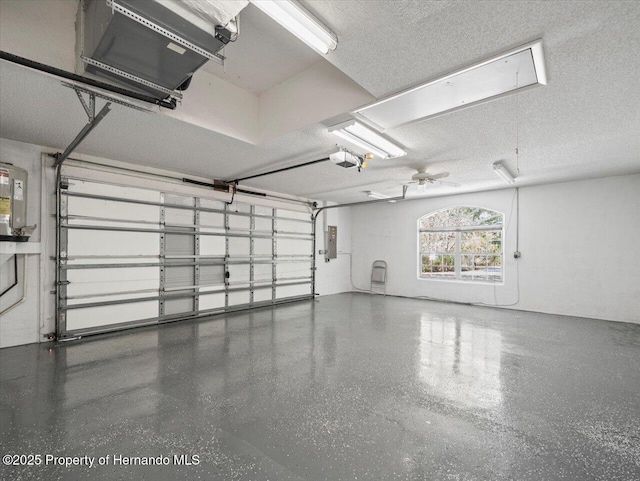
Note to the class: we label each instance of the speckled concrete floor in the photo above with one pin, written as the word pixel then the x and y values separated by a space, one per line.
pixel 347 387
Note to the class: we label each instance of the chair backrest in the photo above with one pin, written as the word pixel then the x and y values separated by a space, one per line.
pixel 379 272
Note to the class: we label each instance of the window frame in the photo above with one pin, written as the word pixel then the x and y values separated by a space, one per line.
pixel 457 253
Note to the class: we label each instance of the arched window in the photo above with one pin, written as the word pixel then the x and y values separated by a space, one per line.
pixel 463 243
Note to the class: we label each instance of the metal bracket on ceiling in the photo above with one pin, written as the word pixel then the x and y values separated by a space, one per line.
pixel 94 120
pixel 108 98
pixel 89 109
pixel 128 76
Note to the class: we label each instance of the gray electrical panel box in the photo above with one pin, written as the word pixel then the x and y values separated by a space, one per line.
pixel 332 242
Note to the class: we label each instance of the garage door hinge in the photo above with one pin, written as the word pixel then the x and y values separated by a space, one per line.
pixel 64 283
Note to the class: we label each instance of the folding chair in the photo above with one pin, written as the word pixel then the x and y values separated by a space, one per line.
pixel 379 277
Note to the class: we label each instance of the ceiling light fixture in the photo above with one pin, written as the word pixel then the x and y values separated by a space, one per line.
pixel 376 195
pixel 367 139
pixel 295 18
pixel 512 71
pixel 503 173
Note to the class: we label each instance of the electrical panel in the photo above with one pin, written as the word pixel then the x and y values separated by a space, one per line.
pixel 332 242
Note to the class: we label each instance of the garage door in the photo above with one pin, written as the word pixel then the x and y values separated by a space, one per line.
pixel 133 256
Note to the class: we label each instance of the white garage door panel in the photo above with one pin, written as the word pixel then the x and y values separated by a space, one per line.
pixel 111 190
pixel 263 294
pixel 105 243
pixel 115 224
pixel 151 259
pixel 113 210
pixel 184 306
pixel 212 204
pixel 262 224
pixel 109 315
pixel 293 269
pixel 238 298
pixel 179 217
pixel 178 244
pixel 177 199
pixel 240 207
pixel 299 247
pixel 239 222
pixel 179 276
pixel 239 246
pixel 293 226
pixel 262 247
pixel 211 275
pixel 263 210
pixel 211 301
pixel 293 214
pixel 239 273
pixel 262 272
pixel 101 281
pixel 212 245
pixel 212 219
pixel 290 291
pixel 118 297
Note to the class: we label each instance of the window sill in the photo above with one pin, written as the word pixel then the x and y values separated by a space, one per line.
pixel 462 281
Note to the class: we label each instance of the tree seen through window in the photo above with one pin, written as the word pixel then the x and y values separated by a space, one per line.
pixel 461 243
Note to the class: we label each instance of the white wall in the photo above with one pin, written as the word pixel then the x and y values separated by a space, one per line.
pixel 580 248
pixel 216 105
pixel 25 323
pixel 333 277
pixel 40 30
pixel 313 95
pixel 578 242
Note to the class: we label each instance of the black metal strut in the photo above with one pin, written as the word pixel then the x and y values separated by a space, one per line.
pixel 236 181
pixel 25 62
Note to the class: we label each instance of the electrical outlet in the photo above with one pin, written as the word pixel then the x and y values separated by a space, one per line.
pixel 517 255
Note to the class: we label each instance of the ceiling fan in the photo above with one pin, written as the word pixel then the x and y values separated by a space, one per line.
pixel 421 178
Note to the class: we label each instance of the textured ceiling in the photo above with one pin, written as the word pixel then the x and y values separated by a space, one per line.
pixel 585 123
pixel 265 54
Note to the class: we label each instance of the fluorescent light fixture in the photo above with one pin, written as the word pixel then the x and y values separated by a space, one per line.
pixel 295 18
pixel 367 139
pixel 503 173
pixel 376 195
pixel 511 71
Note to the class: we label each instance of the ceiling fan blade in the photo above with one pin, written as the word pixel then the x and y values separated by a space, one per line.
pixel 441 175
pixel 452 184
